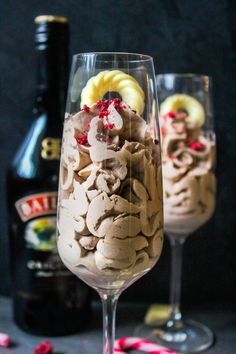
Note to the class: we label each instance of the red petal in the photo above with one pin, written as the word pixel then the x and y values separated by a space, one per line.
pixel 82 140
pixel 44 348
pixel 196 145
pixel 109 126
pixel 171 114
pixel 86 108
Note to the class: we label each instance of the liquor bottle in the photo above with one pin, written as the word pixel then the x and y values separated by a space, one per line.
pixel 47 298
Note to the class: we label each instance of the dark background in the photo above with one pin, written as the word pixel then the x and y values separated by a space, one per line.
pixel 183 36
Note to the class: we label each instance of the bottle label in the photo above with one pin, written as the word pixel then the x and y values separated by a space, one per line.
pixel 40 234
pixel 51 148
pixel 37 205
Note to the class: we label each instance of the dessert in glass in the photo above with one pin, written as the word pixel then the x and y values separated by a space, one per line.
pixel 189 187
pixel 110 218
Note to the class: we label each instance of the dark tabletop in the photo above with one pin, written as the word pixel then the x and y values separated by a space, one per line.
pixel 221 319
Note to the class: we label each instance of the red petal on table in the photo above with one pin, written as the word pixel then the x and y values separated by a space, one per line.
pixel 4 340
pixel 44 348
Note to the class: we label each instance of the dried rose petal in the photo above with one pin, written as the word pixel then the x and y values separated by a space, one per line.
pixel 44 348
pixel 170 114
pixel 196 145
pixel 104 105
pixel 4 340
pixel 103 113
pixel 99 104
pixel 109 126
pixel 116 100
pixel 86 108
pixel 82 140
pixel 117 103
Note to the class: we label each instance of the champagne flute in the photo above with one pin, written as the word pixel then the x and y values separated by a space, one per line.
pixel 189 184
pixel 110 217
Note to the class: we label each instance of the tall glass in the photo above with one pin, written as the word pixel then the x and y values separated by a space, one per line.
pixel 189 185
pixel 110 219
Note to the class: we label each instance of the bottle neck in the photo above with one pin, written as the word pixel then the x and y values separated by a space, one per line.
pixel 51 80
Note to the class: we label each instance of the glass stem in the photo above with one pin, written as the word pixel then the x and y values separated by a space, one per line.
pixel 175 282
pixel 109 303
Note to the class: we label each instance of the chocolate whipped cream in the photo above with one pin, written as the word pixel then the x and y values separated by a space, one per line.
pixel 188 157
pixel 110 202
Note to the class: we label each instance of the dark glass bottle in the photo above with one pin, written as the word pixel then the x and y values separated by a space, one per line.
pixel 47 298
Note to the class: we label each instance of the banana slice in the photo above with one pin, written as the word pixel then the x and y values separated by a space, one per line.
pixel 113 81
pixel 196 114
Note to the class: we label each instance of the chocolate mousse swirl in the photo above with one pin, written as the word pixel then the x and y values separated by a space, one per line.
pixel 188 157
pixel 110 212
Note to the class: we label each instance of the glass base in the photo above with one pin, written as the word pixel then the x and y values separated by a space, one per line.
pixel 189 337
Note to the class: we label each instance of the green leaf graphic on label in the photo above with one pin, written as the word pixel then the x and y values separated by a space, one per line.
pixel 40 234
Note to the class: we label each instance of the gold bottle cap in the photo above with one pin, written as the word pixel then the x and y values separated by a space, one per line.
pixel 50 18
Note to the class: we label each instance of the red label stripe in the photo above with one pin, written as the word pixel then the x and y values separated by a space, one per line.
pixel 36 205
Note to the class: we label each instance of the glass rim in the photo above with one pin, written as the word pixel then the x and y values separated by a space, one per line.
pixel 137 57
pixel 185 75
